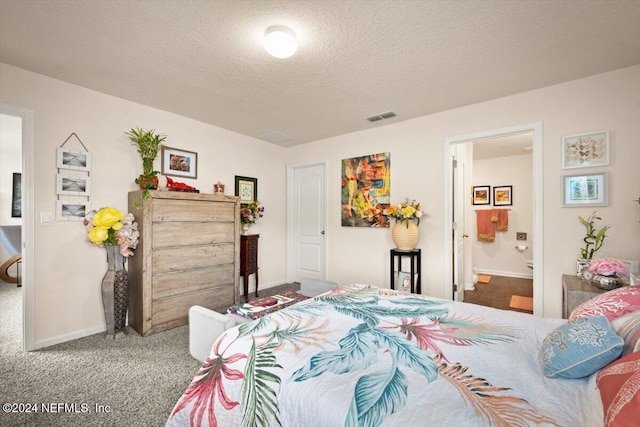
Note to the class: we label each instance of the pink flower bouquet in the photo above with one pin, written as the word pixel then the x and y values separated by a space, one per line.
pixel 608 267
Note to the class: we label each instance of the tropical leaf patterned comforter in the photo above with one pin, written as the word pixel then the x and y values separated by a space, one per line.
pixel 364 356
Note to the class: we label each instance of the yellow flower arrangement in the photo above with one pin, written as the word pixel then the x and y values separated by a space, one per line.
pixel 404 212
pixel 109 226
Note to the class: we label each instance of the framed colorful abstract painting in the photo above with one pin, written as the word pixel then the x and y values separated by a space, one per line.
pixel 586 150
pixel 581 190
pixel 365 190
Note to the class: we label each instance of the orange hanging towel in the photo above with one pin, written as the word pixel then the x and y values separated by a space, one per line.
pixel 503 220
pixel 485 226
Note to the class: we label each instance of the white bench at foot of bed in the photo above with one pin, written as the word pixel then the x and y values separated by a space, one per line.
pixel 205 325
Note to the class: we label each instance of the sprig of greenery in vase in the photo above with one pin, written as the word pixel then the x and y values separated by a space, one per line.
pixel 148 143
pixel 593 238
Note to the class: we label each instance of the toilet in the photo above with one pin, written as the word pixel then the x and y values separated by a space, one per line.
pixel 530 263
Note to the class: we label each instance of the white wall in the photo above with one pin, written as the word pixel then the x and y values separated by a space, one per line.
pixel 501 256
pixel 68 269
pixel 609 101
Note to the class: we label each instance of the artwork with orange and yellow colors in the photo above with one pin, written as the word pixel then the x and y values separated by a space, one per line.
pixel 365 190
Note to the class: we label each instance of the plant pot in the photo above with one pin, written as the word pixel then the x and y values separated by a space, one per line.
pixel 405 235
pixel 147 182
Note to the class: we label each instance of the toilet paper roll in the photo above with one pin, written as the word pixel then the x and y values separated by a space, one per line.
pixel 521 248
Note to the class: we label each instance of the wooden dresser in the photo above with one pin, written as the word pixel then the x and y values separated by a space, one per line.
pixel 188 255
pixel 249 261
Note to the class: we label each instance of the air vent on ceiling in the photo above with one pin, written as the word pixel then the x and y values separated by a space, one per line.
pixel 381 116
pixel 276 138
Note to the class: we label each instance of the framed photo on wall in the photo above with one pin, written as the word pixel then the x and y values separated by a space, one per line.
pixel 481 195
pixel 16 196
pixel 74 159
pixel 585 150
pixel 585 190
pixel 73 185
pixel 71 210
pixel 503 195
pixel 246 189
pixel 177 162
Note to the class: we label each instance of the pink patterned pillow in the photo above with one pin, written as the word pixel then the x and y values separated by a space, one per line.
pixel 619 386
pixel 612 304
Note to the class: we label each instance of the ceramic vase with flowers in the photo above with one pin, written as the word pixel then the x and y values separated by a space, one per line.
pixel 405 232
pixel 118 234
pixel 607 273
pixel 249 214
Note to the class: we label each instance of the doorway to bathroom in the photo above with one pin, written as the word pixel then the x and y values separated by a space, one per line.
pixel 504 168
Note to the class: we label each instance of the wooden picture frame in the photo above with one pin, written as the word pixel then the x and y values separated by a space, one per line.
pixel 246 189
pixel 73 185
pixel 182 163
pixel 77 160
pixel 481 195
pixel 16 196
pixel 585 190
pixel 72 210
pixel 503 195
pixel 585 150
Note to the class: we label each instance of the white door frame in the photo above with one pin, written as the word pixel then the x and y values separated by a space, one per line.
pixel 28 221
pixel 536 129
pixel 291 197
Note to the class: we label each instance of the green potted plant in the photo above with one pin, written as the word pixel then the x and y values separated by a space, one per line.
pixel 148 143
pixel 593 240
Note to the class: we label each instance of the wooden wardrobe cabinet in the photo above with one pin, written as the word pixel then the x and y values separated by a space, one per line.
pixel 188 255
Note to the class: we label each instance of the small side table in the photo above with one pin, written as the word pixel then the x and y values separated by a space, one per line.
pixel 249 261
pixel 416 267
pixel 575 291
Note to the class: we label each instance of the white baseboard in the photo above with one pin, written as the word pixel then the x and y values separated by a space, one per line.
pixel 506 274
pixel 69 337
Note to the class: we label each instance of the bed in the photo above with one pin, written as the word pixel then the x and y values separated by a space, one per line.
pixel 365 356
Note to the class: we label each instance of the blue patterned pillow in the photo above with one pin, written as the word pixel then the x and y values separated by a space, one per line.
pixel 580 347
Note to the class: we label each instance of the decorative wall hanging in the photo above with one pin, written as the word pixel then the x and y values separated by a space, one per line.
pixel 585 150
pixel 582 190
pixel 177 162
pixel 73 185
pixel 503 195
pixel 16 196
pixel 366 190
pixel 481 195
pixel 246 189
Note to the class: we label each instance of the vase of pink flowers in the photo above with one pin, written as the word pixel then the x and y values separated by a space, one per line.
pixel 607 273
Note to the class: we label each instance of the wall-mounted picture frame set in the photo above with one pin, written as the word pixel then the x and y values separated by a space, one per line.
pixel 177 162
pixel 77 160
pixel 503 195
pixel 73 185
pixel 246 189
pixel 585 190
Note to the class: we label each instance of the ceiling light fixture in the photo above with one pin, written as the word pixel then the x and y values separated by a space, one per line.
pixel 280 41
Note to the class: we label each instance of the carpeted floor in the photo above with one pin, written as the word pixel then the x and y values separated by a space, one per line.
pixel 497 293
pixel 130 381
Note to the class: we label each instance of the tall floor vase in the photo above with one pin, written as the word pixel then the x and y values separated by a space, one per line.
pixel 405 235
pixel 115 293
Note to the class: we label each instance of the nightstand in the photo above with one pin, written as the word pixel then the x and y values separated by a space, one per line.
pixel 249 261
pixel 575 291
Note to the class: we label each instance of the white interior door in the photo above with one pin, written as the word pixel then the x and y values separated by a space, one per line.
pixel 458 229
pixel 306 242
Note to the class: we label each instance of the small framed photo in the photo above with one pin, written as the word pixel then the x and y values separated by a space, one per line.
pixel 585 150
pixel 71 210
pixel 503 195
pixel 177 162
pixel 16 196
pixel 581 190
pixel 73 185
pixel 74 159
pixel 404 281
pixel 247 189
pixel 482 195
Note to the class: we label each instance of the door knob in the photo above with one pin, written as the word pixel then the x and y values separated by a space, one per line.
pixel 465 235
pixel 322 232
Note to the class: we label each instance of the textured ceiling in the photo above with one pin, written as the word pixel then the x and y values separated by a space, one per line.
pixel 204 59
